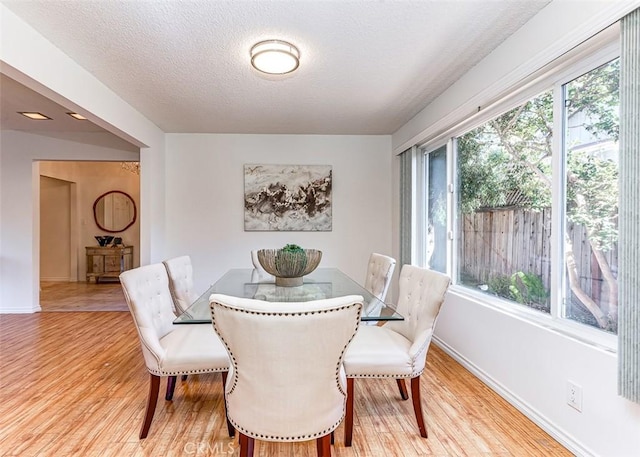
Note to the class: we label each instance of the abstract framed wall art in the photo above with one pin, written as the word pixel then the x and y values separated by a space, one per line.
pixel 287 197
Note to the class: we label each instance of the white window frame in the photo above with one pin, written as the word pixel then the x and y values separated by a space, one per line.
pixel 558 210
pixel 421 220
pixel 583 59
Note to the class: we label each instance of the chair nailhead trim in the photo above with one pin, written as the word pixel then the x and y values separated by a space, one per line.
pixel 260 436
pixel 284 314
pixel 177 373
pixel 397 376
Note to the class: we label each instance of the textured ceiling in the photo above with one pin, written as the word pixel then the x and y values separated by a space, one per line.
pixel 367 67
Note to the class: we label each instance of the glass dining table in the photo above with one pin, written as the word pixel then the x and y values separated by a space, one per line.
pixel 321 283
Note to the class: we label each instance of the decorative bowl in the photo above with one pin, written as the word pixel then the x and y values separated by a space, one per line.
pixel 289 266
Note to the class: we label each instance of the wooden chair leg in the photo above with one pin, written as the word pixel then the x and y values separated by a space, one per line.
pixel 323 445
pixel 171 386
pixel 230 427
pixel 333 440
pixel 348 420
pixel 403 388
pixel 154 388
pixel 417 405
pixel 246 445
pixel 184 377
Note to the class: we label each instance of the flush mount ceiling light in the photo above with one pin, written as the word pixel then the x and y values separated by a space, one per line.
pixel 275 57
pixel 35 116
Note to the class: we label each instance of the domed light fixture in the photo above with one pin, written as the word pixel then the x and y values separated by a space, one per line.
pixel 275 57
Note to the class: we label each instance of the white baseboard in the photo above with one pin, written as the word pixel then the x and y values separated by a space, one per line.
pixel 4 310
pixel 558 434
pixel 55 279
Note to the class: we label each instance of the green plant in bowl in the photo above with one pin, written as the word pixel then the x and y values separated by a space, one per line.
pixel 291 248
pixel 290 255
pixel 289 264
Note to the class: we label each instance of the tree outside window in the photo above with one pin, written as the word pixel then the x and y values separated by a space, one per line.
pixel 505 177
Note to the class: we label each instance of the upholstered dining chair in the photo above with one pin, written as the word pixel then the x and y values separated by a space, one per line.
pixel 256 264
pixel 180 273
pixel 379 273
pixel 168 350
pixel 183 293
pixel 399 348
pixel 286 380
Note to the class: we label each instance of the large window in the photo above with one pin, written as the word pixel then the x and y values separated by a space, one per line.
pixel 591 106
pixel 536 201
pixel 504 214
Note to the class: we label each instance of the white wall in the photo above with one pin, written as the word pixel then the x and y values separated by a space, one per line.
pixel 528 364
pixel 20 194
pixel 204 189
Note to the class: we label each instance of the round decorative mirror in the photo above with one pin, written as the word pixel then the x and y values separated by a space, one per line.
pixel 114 211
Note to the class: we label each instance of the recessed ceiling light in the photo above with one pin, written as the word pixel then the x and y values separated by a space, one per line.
pixel 34 116
pixel 275 57
pixel 77 116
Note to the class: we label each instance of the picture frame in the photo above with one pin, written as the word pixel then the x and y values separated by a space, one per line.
pixel 288 197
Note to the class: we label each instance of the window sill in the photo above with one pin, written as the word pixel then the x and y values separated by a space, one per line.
pixel 578 332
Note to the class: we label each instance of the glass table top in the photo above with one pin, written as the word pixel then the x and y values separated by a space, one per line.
pixel 321 283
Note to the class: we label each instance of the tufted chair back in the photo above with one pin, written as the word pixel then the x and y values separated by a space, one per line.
pixel 146 290
pixel 169 350
pixel 421 295
pixel 286 381
pixel 399 348
pixel 180 274
pixel 379 273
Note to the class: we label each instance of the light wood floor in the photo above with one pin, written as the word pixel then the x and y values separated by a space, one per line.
pixel 82 296
pixel 74 384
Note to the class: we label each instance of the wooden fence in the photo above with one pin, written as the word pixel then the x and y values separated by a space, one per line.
pixel 502 242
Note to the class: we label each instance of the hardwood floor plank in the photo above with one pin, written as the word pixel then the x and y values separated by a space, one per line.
pixel 74 384
pixel 82 296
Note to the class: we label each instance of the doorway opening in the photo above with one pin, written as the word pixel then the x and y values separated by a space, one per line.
pixel 68 229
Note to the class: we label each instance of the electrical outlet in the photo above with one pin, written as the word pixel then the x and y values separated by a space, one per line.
pixel 574 396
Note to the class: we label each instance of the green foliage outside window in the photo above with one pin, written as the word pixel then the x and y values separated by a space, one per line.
pixel 507 162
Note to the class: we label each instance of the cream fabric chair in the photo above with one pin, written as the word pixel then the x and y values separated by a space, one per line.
pixel 399 348
pixel 286 381
pixel 379 274
pixel 180 273
pixel 256 264
pixel 168 350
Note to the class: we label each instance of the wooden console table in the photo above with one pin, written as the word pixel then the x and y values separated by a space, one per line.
pixel 108 262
